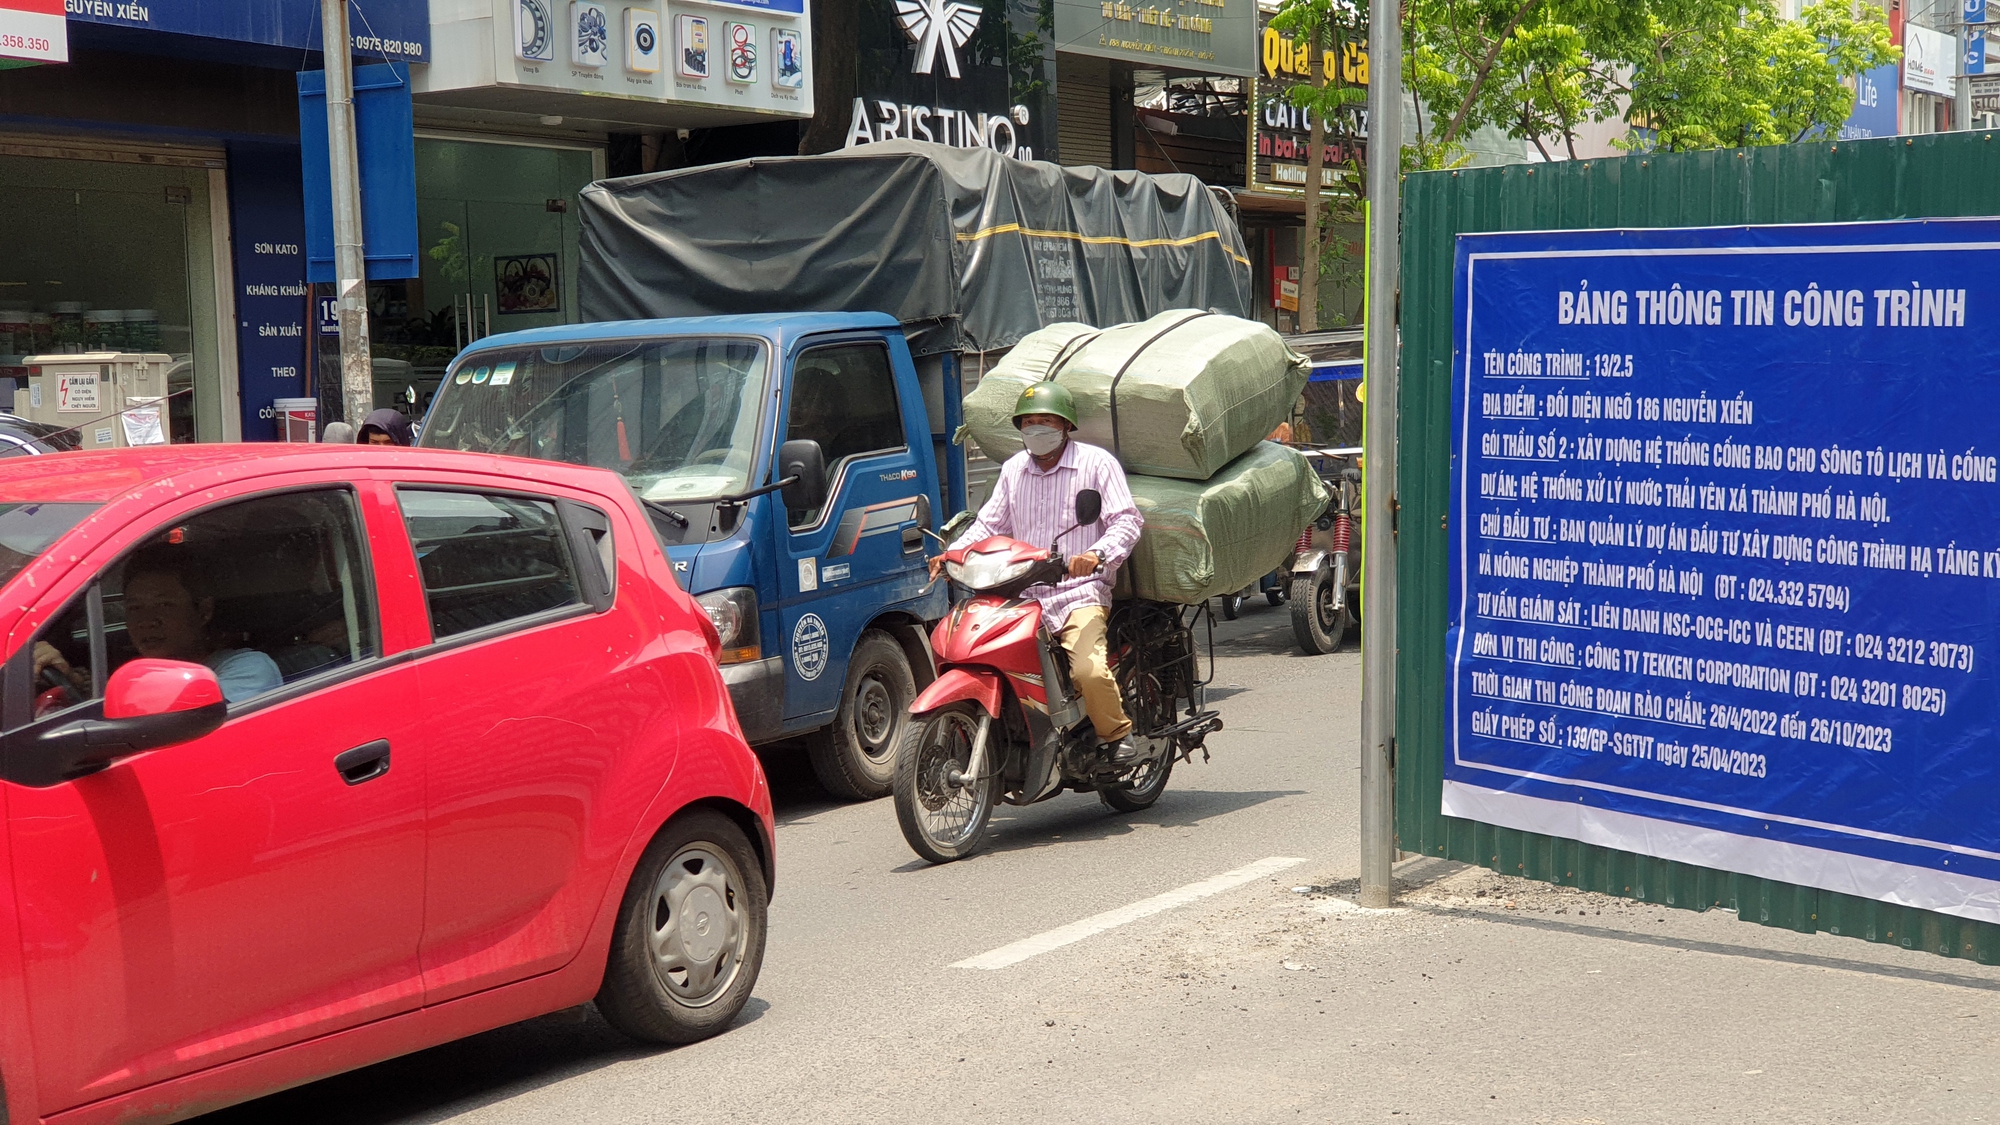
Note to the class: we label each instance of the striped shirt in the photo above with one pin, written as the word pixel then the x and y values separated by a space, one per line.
pixel 1035 506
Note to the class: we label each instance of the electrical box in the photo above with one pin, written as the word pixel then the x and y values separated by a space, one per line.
pixel 114 399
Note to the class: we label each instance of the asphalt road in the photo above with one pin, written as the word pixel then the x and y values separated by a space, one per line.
pixel 856 1011
pixel 1479 999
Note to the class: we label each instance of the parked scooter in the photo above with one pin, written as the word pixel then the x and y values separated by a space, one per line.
pixel 1326 568
pixel 1002 722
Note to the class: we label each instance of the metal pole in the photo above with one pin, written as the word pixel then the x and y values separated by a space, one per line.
pixel 1378 618
pixel 357 369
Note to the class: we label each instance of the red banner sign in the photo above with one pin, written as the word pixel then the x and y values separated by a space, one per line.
pixel 34 29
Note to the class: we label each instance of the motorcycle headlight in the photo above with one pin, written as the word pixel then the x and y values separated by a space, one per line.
pixel 987 570
pixel 734 614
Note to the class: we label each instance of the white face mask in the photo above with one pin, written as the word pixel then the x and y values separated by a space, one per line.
pixel 1042 440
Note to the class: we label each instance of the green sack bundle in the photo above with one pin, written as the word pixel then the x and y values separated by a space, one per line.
pixel 1217 536
pixel 1193 390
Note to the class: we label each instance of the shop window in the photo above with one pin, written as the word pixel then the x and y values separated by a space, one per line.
pixel 119 257
pixel 498 227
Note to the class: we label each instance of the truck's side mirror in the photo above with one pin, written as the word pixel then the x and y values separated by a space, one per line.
pixel 1089 504
pixel 804 459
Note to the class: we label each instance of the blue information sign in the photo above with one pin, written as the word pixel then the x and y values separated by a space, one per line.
pixel 1726 570
pixel 394 29
pixel 1874 113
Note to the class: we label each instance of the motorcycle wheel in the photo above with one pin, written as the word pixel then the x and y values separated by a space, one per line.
pixel 1232 606
pixel 943 822
pixel 1276 595
pixel 1320 628
pixel 1145 787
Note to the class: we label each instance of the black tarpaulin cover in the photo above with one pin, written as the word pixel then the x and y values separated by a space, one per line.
pixel 969 249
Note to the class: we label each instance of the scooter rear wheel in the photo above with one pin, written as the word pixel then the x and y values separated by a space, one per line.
pixel 942 821
pixel 1144 788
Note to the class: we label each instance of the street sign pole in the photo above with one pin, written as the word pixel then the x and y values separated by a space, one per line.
pixel 357 369
pixel 1378 617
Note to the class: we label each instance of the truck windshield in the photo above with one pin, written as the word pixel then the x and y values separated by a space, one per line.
pixel 26 530
pixel 677 417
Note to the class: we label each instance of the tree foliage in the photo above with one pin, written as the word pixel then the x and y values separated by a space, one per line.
pixel 1679 74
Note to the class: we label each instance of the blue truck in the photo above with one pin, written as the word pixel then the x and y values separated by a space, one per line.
pixel 792 464
pixel 797 463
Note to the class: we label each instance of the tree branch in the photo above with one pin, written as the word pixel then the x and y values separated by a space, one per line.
pixel 1485 69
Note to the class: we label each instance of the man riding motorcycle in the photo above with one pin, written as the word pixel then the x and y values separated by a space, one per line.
pixel 1032 502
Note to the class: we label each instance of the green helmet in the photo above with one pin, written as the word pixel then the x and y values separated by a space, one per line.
pixel 1046 398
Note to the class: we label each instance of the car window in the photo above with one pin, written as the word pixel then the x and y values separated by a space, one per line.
pixel 26 530
pixel 488 558
pixel 266 591
pixel 844 398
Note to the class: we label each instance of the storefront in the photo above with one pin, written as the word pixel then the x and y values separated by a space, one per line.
pixel 514 117
pixel 127 251
pixel 498 229
pixel 155 182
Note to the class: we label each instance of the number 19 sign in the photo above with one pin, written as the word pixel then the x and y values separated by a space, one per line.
pixel 34 29
pixel 1725 584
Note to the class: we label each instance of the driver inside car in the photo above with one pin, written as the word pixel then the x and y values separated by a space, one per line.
pixel 1034 501
pixel 167 616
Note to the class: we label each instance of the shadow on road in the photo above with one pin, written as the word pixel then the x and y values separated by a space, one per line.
pixel 1073 818
pixel 461 1076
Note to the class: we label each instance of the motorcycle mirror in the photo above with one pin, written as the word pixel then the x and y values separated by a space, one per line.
pixel 1089 503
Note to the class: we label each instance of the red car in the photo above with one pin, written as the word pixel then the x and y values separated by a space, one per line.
pixel 314 756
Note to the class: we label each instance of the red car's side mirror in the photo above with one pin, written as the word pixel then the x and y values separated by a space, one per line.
pixel 147 704
pixel 145 687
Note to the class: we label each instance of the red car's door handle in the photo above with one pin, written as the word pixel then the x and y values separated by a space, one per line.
pixel 364 763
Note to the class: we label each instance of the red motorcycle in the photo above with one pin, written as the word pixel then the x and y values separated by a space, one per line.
pixel 1002 722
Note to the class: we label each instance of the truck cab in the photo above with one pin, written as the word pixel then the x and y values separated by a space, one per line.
pixel 791 465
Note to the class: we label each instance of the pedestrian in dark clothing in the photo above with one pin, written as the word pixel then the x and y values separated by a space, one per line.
pixel 386 426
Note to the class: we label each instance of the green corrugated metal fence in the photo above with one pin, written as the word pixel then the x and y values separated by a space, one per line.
pixel 1947 175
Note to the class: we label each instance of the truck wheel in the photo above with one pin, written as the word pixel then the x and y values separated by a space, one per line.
pixel 690 933
pixel 855 758
pixel 1319 627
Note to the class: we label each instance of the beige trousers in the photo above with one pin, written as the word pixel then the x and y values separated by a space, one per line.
pixel 1090 670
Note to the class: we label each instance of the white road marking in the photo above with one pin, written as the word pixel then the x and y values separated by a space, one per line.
pixel 1017 952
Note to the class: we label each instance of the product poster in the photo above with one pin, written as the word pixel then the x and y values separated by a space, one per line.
pixel 1726 564
pixel 526 283
pixel 742 51
pixel 788 71
pixel 534 31
pixel 591 43
pixel 693 62
pixel 642 41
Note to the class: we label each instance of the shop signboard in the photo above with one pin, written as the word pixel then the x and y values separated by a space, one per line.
pixel 34 29
pixel 1195 36
pixel 272 299
pixel 1930 60
pixel 393 29
pixel 1874 113
pixel 1718 588
pixel 965 73
pixel 1986 94
pixel 1284 132
pixel 638 62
